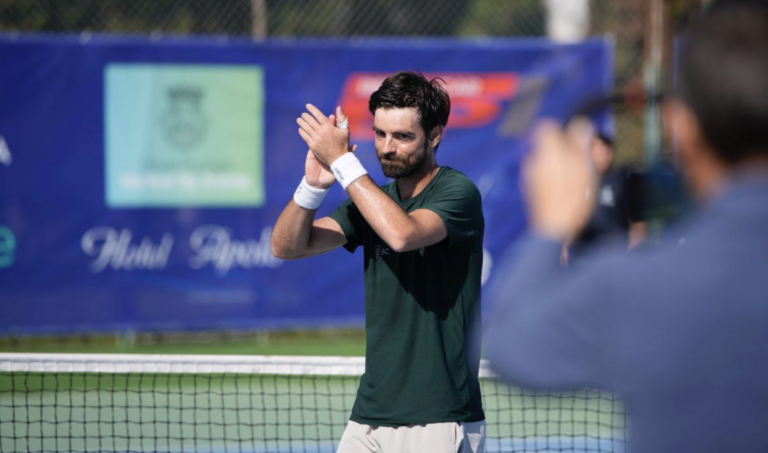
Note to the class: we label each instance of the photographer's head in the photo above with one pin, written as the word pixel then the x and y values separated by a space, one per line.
pixel 719 116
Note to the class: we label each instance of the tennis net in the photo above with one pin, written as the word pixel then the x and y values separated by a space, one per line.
pixel 257 404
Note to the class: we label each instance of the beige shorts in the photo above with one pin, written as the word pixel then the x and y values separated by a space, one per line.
pixel 453 437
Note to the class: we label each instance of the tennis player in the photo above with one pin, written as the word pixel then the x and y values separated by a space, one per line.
pixel 680 331
pixel 422 237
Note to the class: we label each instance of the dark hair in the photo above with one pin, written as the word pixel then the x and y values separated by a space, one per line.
pixel 411 89
pixel 724 77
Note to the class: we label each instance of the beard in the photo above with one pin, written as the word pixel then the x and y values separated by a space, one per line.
pixel 398 166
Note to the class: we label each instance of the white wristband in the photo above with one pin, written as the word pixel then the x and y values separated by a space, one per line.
pixel 308 197
pixel 347 169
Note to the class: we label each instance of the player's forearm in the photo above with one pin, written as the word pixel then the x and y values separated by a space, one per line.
pixel 383 214
pixel 291 236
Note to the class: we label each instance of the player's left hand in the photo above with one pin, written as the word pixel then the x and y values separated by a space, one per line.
pixel 326 141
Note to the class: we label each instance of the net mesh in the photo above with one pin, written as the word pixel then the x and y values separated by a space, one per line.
pixel 108 403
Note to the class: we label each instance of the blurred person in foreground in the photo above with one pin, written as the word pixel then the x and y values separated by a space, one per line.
pixel 422 237
pixel 619 218
pixel 681 332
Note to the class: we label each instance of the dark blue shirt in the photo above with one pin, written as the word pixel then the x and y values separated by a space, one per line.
pixel 681 331
pixel 620 202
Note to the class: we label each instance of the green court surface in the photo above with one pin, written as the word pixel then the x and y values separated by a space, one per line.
pixel 308 343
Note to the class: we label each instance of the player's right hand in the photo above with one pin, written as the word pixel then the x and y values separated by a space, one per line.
pixel 318 174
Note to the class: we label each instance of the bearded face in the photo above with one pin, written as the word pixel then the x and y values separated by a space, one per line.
pixel 401 144
pixel 401 165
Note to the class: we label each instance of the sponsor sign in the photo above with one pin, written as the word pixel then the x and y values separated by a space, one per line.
pixel 477 99
pixel 184 135
pixel 147 175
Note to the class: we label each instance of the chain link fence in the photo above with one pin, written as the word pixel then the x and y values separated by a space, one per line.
pixel 623 20
pixel 278 18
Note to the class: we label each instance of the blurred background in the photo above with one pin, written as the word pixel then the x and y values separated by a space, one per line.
pixel 147 148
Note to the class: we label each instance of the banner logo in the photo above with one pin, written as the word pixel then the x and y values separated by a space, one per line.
pixel 116 249
pixel 184 121
pixel 184 135
pixel 380 251
pixel 7 247
pixel 476 98
pixel 214 246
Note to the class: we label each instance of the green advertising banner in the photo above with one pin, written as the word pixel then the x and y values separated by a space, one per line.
pixel 184 136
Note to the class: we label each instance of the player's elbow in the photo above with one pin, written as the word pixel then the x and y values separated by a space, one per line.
pixel 403 240
pixel 281 253
pixel 279 250
pixel 401 243
pixel 398 246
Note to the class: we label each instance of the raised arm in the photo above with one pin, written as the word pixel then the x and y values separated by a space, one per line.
pixel 297 234
pixel 402 231
pixel 548 327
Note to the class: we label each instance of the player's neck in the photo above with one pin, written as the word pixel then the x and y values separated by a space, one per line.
pixel 411 186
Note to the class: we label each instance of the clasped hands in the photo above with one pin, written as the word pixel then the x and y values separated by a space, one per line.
pixel 559 176
pixel 323 136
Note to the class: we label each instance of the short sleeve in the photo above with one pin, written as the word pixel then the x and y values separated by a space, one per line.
pixel 459 204
pixel 351 222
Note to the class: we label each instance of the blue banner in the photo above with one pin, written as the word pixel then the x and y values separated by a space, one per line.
pixel 140 179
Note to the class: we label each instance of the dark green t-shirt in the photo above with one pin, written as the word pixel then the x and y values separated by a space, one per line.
pixel 420 306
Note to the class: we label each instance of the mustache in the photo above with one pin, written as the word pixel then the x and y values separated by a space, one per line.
pixel 392 158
